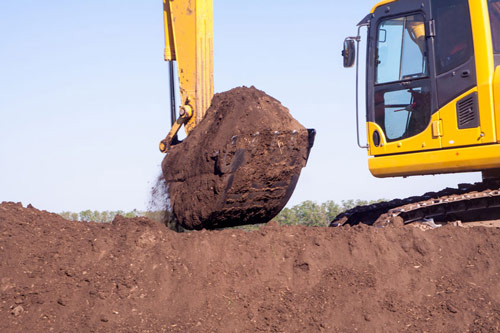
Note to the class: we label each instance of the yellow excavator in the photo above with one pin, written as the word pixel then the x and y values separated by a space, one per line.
pixel 432 104
pixel 432 97
pixel 433 86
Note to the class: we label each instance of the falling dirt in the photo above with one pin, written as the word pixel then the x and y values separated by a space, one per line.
pixel 135 275
pixel 240 165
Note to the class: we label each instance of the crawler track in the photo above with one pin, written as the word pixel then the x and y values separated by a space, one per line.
pixel 468 202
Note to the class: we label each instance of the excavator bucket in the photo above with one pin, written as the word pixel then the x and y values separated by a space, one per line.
pixel 240 165
pixel 242 156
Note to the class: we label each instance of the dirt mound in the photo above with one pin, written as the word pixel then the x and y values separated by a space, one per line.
pixel 134 275
pixel 240 165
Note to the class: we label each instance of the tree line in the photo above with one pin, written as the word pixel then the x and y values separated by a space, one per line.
pixel 99 216
pixel 308 213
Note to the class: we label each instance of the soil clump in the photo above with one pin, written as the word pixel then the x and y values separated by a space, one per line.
pixel 240 165
pixel 135 275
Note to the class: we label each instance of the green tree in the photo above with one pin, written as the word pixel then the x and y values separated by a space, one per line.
pixel 131 214
pixel 332 209
pixel 66 215
pixel 105 217
pixel 86 215
pixel 310 213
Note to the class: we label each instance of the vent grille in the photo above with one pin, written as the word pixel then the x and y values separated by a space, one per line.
pixel 468 112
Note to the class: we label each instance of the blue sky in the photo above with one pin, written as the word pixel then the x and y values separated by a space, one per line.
pixel 84 97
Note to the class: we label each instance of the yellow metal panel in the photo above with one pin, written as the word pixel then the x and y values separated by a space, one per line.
pixel 423 141
pixel 483 50
pixel 496 99
pixel 169 32
pixel 381 3
pixel 372 149
pixel 475 158
pixel 454 137
pixel 189 40
pixel 204 57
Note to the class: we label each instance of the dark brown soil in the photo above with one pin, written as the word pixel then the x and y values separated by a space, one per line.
pixel 240 165
pixel 135 275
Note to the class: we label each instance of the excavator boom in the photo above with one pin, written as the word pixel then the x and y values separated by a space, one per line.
pixel 189 43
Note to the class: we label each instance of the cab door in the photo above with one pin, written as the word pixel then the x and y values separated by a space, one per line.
pixel 402 110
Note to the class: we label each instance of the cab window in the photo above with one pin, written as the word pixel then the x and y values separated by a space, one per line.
pixel 402 113
pixel 453 40
pixel 401 49
pixel 494 6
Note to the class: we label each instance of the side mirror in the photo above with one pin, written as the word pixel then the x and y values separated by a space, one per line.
pixel 349 53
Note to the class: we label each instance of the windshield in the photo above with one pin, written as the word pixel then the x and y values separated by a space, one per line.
pixel 401 49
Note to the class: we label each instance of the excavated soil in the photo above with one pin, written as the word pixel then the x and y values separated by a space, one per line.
pixel 240 165
pixel 135 275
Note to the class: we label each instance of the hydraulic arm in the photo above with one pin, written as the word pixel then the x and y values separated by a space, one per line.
pixel 242 163
pixel 189 44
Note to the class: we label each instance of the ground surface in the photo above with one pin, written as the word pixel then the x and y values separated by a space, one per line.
pixel 134 275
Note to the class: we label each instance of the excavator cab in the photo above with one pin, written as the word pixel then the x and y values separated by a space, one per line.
pixel 432 86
